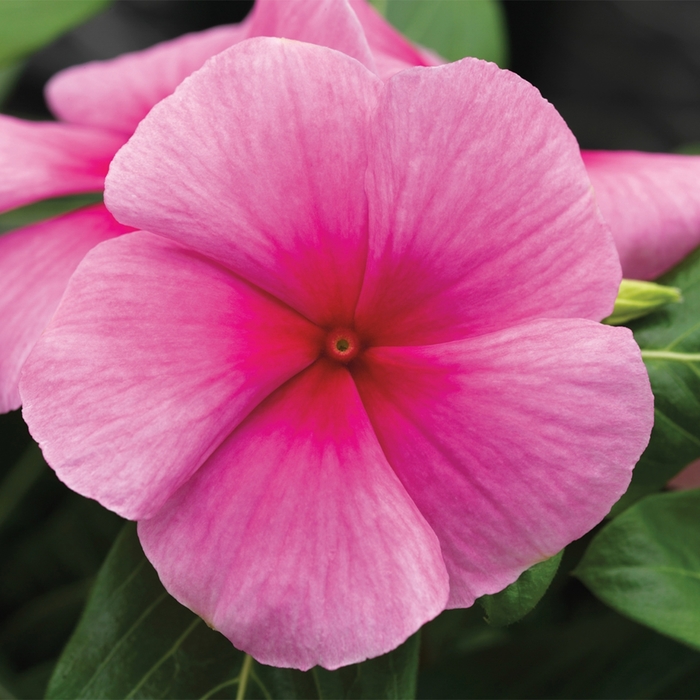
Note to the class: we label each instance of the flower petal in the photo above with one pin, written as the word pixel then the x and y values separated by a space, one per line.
pixel 651 202
pixel 36 263
pixel 296 539
pixel 258 161
pixel 480 213
pixel 511 444
pixel 153 357
pixel 330 23
pixel 117 94
pixel 39 160
pixel 392 51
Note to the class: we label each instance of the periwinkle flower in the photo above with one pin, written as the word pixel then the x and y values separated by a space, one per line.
pixel 350 371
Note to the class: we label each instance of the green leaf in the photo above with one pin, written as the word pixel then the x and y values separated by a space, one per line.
pixel 135 641
pixel 636 298
pixel 45 209
pixel 670 343
pixel 452 28
pixel 518 599
pixel 646 564
pixel 26 25
pixel 390 676
pixel 597 654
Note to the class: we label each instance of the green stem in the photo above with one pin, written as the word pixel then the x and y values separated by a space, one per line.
pixel 245 672
pixel 670 355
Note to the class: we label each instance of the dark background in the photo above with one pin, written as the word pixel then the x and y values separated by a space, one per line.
pixel 625 75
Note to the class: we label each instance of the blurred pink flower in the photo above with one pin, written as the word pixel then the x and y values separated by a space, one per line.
pixel 357 376
pixel 651 201
pixel 100 104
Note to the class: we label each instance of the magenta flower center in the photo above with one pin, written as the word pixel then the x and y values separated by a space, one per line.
pixel 342 344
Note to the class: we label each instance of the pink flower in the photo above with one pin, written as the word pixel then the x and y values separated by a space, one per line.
pixel 100 104
pixel 651 201
pixel 357 376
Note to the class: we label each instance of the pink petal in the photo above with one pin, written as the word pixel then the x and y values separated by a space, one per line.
pixel 651 202
pixel 480 211
pixel 511 444
pixel 258 161
pixel 330 23
pixel 39 160
pixel 117 94
pixel 392 51
pixel 153 357
pixel 296 539
pixel 36 263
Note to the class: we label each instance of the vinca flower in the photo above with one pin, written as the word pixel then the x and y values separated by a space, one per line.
pixel 99 105
pixel 349 371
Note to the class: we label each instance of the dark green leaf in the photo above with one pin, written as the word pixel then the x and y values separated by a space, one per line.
pixel 390 676
pixel 670 342
pixel 646 564
pixel 597 655
pixel 518 599
pixel 452 28
pixel 135 641
pixel 45 209
pixel 26 25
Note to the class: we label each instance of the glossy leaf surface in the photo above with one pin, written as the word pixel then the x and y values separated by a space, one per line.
pixel 646 564
pixel 135 641
pixel 518 599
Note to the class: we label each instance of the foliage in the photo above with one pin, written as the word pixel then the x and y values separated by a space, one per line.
pixel 518 599
pixel 45 209
pixel 26 25
pixel 136 641
pixel 646 564
pixel 452 28
pixel 670 343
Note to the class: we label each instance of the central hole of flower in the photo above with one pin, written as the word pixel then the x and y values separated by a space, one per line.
pixel 342 344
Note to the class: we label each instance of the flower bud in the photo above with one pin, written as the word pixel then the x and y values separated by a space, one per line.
pixel 636 298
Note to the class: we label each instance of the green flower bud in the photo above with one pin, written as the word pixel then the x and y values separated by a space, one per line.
pixel 636 298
